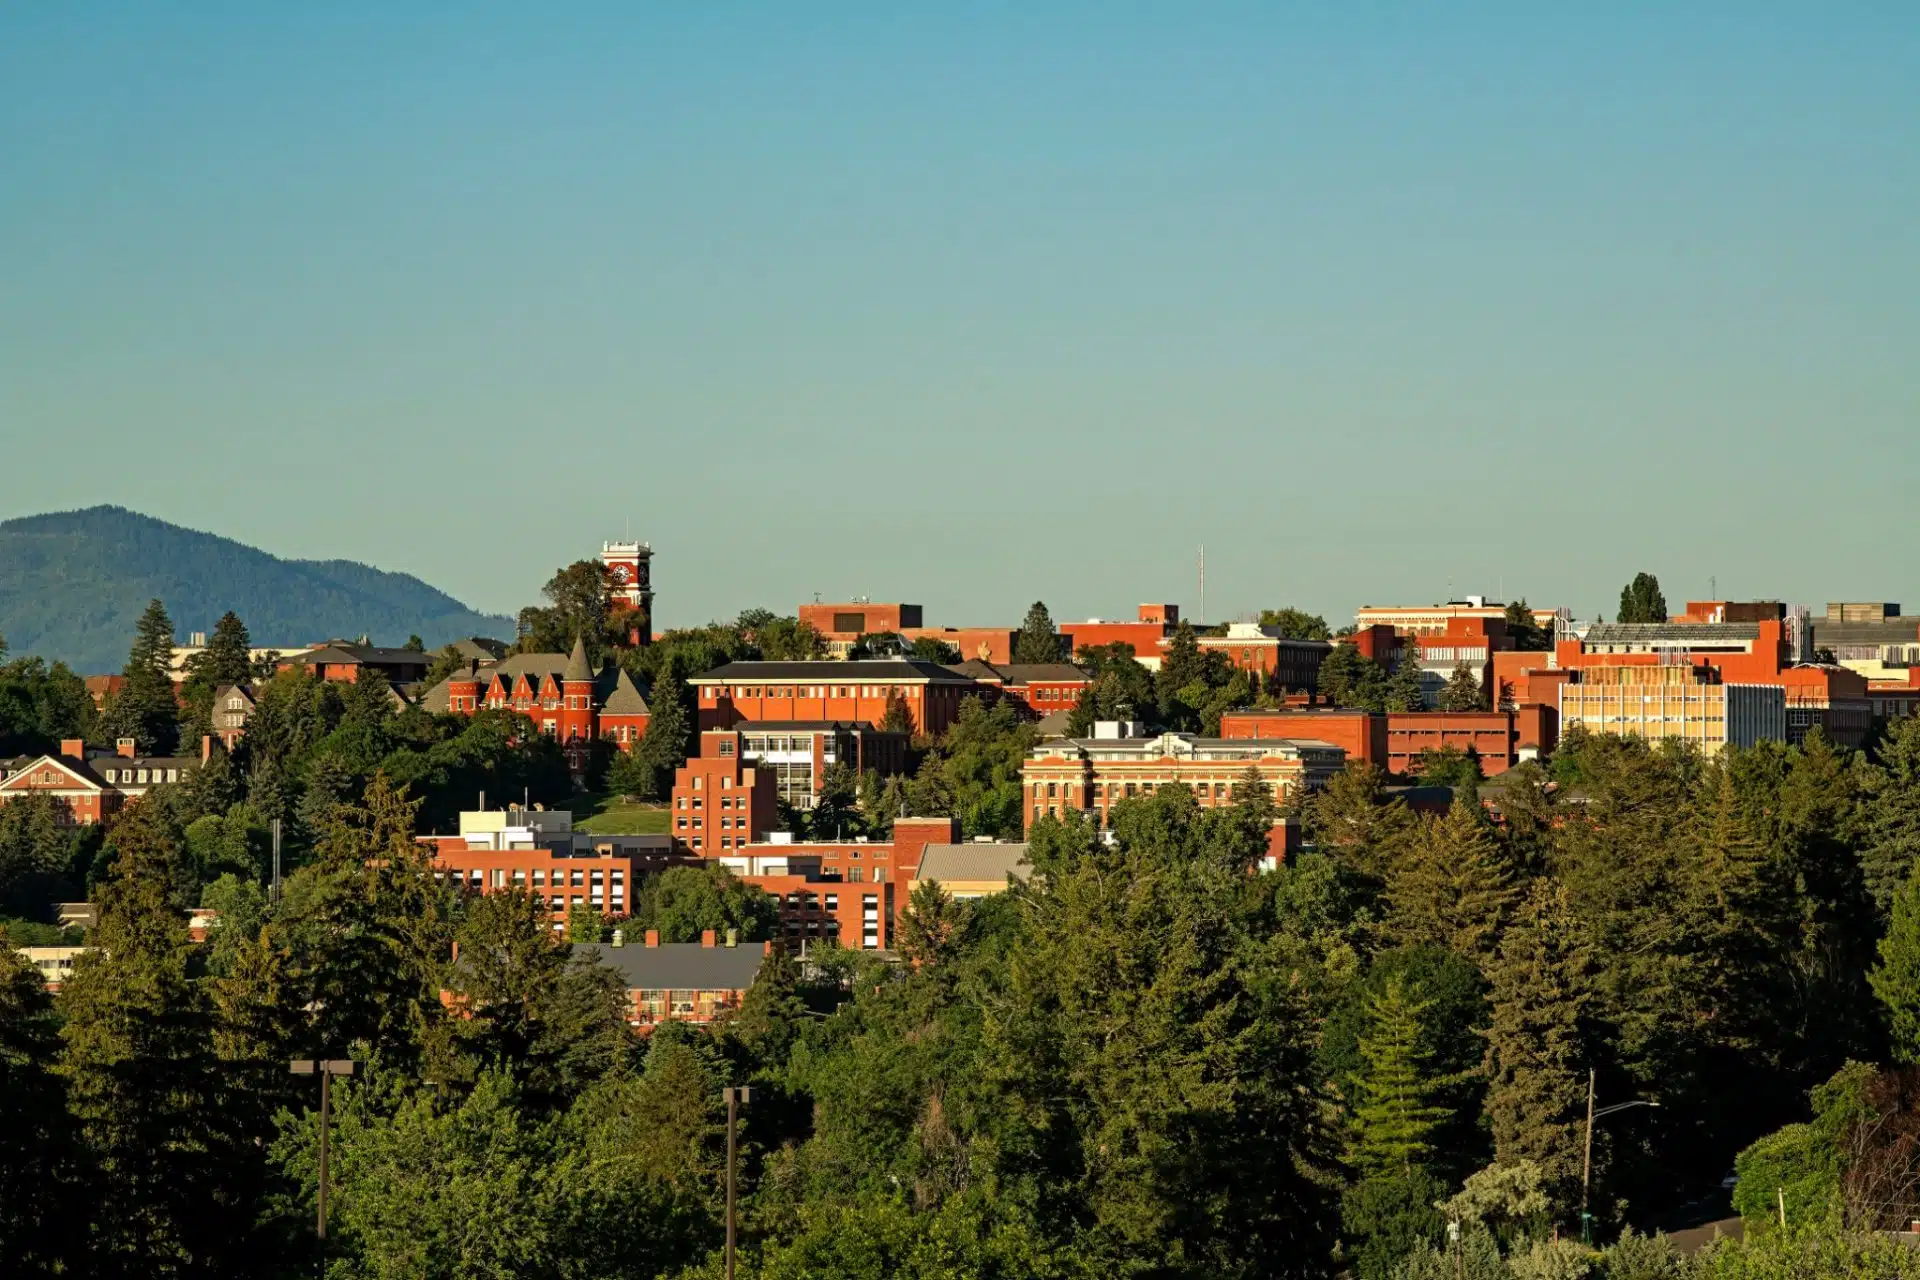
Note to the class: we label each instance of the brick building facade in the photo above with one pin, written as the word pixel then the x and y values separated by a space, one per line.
pixel 742 692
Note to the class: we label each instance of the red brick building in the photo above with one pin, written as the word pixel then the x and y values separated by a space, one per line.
pixel 720 802
pixel 1358 733
pixel 698 982
pixel 1831 697
pixel 742 692
pixel 840 625
pixel 537 851
pixel 798 753
pixel 93 786
pixel 1039 689
pixel 814 908
pixel 982 644
pixel 1279 662
pixel 346 661
pixel 562 695
pixel 1151 627
pixel 1394 742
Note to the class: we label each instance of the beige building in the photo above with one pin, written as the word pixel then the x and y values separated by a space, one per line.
pixel 977 870
pixel 1658 702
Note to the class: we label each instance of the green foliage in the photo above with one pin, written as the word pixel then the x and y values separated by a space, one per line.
pixel 579 607
pixel 1037 641
pixel 144 707
pixel 38 1176
pixel 1896 979
pixel 1891 847
pixel 1405 689
pixel 1449 767
pixel 42 861
pixel 682 902
pixel 1641 601
pixel 1462 691
pixel 1394 1115
pixel 1525 633
pixel 1295 624
pixel 42 705
pixel 973 772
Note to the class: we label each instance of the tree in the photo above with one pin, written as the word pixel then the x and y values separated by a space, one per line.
pixel 898 719
pixel 585 923
pixel 1896 979
pixel 145 708
pixel 1037 641
pixel 1463 691
pixel 579 606
pixel 631 774
pixel 141 1077
pixel 1394 1113
pixel 1351 679
pixel 1892 838
pixel 1525 633
pixel 683 902
pixel 38 1177
pixel 1405 688
pixel 670 728
pixel 1451 886
pixel 1536 1084
pixel 1295 624
pixel 933 649
pixel 1641 601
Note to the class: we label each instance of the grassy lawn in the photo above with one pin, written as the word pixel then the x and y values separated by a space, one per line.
pixel 604 815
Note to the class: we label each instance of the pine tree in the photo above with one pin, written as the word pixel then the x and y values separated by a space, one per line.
pixel 146 709
pixel 897 718
pixel 38 1185
pixel 1394 1112
pixel 663 748
pixel 1406 689
pixel 143 1085
pixel 1896 979
pixel 1037 641
pixel 1536 1055
pixel 1641 600
pixel 1462 691
pixel 1452 885
pixel 1892 846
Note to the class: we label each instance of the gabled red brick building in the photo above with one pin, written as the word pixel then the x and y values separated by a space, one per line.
pixel 562 695
pixel 92 786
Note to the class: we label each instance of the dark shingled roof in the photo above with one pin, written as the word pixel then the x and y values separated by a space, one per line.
pixel 679 966
pixel 827 671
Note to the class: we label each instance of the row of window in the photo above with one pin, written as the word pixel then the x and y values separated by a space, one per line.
pixel 813 691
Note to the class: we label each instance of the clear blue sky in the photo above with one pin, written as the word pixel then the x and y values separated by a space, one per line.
pixel 973 304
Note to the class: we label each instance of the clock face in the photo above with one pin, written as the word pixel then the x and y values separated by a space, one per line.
pixel 621 573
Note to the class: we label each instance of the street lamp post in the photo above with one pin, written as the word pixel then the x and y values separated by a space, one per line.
pixel 735 1097
pixel 326 1069
pixel 1586 1163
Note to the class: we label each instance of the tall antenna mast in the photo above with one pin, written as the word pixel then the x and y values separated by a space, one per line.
pixel 1203 584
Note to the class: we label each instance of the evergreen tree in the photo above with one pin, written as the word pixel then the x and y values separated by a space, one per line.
pixel 1641 601
pixel 630 774
pixel 1037 640
pixel 1462 691
pixel 143 1084
pixel 670 730
pixel 1405 688
pixel 1892 838
pixel 1350 679
pixel 897 718
pixel 38 1188
pixel 145 708
pixel 1295 624
pixel 1896 979
pixel 1394 1112
pixel 1536 1084
pixel 1452 885
pixel 1525 633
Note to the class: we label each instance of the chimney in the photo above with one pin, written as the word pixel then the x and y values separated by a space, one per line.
pixel 733 937
pixel 73 748
pixel 706 937
pixel 123 747
pixel 653 937
pixel 206 747
pixel 766 948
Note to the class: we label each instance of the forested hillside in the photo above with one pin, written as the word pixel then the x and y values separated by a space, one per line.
pixel 73 583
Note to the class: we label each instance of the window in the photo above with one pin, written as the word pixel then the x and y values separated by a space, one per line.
pixel 855 875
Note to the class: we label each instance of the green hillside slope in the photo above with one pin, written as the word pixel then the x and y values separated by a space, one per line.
pixel 73 583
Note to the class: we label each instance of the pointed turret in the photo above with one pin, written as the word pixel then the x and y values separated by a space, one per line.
pixel 577 668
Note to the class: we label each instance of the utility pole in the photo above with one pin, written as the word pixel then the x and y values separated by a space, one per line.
pixel 326 1069
pixel 735 1097
pixel 1586 1164
pixel 1586 1167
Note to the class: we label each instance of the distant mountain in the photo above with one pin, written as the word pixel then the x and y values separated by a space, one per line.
pixel 73 583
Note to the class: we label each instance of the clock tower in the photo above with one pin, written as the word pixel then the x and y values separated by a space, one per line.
pixel 630 585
